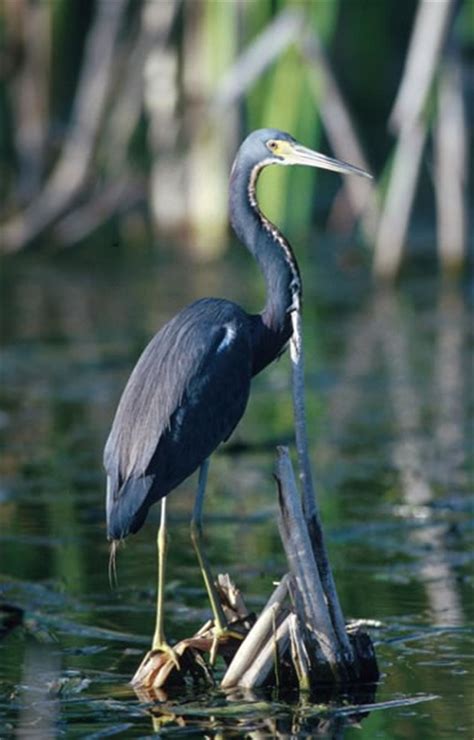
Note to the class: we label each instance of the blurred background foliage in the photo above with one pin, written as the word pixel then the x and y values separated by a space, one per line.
pixel 123 117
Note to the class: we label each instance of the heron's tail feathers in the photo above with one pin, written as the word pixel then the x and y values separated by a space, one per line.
pixel 128 507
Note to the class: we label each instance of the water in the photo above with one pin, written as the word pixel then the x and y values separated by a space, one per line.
pixel 389 405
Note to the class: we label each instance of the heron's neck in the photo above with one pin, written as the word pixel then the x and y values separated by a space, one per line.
pixel 270 248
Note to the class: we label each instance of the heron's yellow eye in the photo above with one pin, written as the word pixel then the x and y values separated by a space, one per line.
pixel 272 145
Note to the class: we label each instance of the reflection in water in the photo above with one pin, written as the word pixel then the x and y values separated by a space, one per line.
pixel 266 714
pixel 449 387
pixel 38 701
pixel 385 328
pixel 271 714
pixel 358 362
pixel 411 460
pixel 407 450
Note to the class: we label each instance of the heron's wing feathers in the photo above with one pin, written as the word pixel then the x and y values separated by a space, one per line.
pixel 192 381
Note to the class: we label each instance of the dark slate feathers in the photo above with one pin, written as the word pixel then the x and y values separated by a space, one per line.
pixel 186 394
pixel 190 387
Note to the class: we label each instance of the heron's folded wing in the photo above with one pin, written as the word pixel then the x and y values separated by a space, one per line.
pixel 196 365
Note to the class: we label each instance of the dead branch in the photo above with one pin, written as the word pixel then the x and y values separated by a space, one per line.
pixel 30 92
pixel 259 635
pixel 299 551
pixel 70 172
pixel 340 130
pixel 153 32
pixel 431 23
pixel 116 197
pixel 452 163
pixel 257 57
pixel 399 201
pixel 408 120
pixel 310 505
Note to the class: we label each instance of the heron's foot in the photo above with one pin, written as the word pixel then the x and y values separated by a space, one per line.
pixel 164 666
pixel 163 647
pixel 222 635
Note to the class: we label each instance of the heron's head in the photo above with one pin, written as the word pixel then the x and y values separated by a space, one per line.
pixel 269 146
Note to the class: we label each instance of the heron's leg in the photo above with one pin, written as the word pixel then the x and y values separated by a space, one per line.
pixel 220 620
pixel 196 536
pixel 159 640
pixel 159 636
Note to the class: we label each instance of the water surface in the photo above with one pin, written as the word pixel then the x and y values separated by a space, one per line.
pixel 390 407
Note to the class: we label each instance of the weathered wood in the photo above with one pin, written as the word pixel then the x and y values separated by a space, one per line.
pixel 268 657
pixel 299 552
pixel 299 653
pixel 310 504
pixel 259 635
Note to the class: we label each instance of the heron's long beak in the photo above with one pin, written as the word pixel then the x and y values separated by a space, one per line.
pixel 298 154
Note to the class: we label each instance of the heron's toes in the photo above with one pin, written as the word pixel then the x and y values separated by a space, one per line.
pixel 164 647
pixel 222 634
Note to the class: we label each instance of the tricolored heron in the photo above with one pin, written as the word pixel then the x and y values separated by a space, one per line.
pixel 191 385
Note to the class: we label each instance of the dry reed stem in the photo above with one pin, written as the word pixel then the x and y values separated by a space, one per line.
pixel 407 119
pixel 258 636
pixel 70 172
pixel 451 152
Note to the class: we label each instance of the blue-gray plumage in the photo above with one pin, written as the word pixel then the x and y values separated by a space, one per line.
pixel 185 396
pixel 190 387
